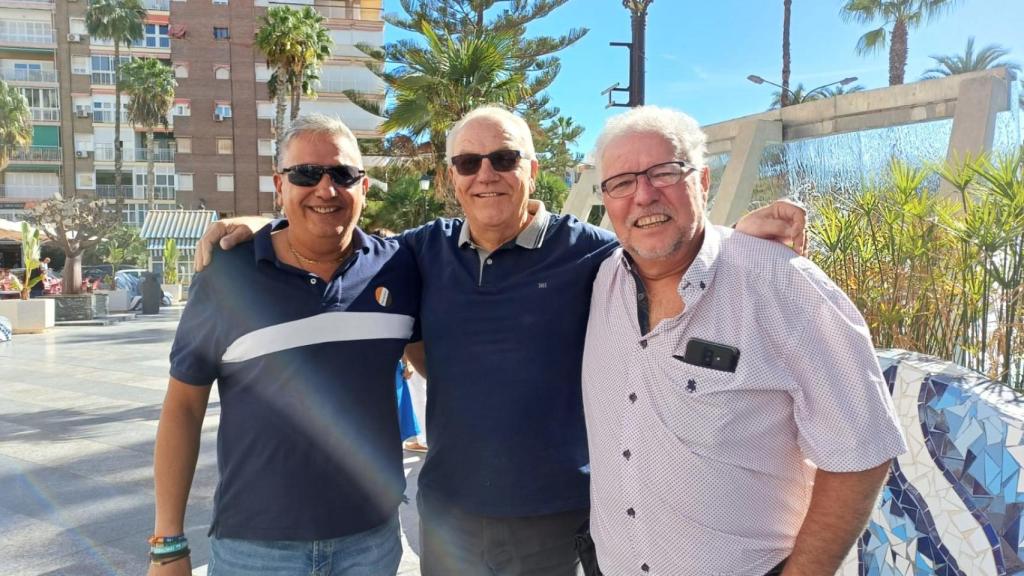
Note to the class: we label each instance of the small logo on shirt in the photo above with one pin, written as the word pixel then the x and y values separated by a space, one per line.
pixel 383 296
pixel 691 386
pixel 542 285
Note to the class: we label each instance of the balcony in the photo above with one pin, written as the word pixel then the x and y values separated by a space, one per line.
pixel 137 192
pixel 107 116
pixel 105 153
pixel 45 114
pixel 103 78
pixel 162 5
pixel 41 191
pixel 13 35
pixel 21 75
pixel 37 154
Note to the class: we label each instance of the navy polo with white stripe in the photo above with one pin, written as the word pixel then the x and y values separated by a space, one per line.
pixel 504 335
pixel 308 446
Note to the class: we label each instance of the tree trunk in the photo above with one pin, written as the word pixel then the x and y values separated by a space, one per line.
pixel 296 95
pixel 786 8
pixel 151 169
pixel 118 195
pixel 72 275
pixel 898 48
pixel 279 118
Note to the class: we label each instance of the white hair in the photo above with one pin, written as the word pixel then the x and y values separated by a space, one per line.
pixel 319 124
pixel 518 127
pixel 679 129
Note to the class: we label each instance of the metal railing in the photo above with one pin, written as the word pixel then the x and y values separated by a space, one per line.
pixel 29 190
pixel 37 154
pixel 22 75
pixel 15 37
pixel 105 153
pixel 107 116
pixel 45 114
pixel 136 192
pixel 162 5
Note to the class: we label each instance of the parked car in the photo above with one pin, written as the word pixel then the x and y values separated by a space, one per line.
pixel 51 282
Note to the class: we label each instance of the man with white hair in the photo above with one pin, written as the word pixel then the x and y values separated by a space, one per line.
pixel 505 296
pixel 309 455
pixel 736 413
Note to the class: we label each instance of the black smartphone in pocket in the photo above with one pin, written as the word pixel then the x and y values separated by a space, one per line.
pixel 710 355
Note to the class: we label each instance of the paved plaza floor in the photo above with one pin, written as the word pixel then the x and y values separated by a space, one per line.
pixel 78 415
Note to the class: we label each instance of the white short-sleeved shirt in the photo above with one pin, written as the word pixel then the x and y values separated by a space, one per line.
pixel 698 471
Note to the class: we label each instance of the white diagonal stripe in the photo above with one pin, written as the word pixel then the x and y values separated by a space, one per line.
pixel 326 327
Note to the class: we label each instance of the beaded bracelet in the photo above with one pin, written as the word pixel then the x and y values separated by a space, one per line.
pixel 155 540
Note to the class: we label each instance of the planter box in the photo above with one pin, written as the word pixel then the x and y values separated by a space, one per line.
pixel 80 306
pixel 174 290
pixel 29 316
pixel 118 300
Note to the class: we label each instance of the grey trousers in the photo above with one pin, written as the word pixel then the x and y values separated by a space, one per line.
pixel 456 543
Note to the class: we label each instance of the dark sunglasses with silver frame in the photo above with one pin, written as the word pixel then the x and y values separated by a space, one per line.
pixel 501 161
pixel 311 174
pixel 659 175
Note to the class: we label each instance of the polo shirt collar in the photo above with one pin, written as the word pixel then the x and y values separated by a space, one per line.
pixel 530 237
pixel 697 278
pixel 263 246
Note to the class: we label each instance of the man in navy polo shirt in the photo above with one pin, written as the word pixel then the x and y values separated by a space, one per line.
pixel 505 301
pixel 302 329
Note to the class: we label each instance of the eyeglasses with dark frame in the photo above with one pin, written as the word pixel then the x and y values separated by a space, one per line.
pixel 311 174
pixel 501 161
pixel 659 175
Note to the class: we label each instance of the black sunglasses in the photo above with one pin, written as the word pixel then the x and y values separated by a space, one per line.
pixel 501 161
pixel 311 174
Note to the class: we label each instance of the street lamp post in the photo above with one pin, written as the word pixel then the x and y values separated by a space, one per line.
pixel 758 80
pixel 638 11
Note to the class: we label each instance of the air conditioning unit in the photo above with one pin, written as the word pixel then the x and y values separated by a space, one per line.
pixel 83 113
pixel 74 37
pixel 81 153
pixel 218 117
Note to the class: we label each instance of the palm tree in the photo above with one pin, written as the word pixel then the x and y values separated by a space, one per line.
pixel 987 57
pixel 799 96
pixel 15 122
pixel 121 22
pixel 787 6
pixel 150 84
pixel 555 141
pixel 902 15
pixel 295 43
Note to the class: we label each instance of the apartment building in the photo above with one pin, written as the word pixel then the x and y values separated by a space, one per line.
pixel 217 150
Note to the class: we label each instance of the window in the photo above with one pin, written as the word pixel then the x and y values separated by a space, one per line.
pixel 221 33
pixel 266 147
pixel 154 36
pixel 181 70
pixel 185 181
pixel 182 108
pixel 265 109
pixel 80 65
pixel 262 72
pixel 184 144
pixel 225 146
pixel 77 26
pixel 85 180
pixel 223 110
pixel 103 69
pixel 220 2
pixel 266 183
pixel 221 72
pixel 44 103
pixel 225 182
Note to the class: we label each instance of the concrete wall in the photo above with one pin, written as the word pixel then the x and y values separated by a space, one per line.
pixel 971 100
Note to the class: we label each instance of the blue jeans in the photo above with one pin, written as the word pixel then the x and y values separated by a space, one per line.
pixel 376 552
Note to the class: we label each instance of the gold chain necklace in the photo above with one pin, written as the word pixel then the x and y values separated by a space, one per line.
pixel 344 254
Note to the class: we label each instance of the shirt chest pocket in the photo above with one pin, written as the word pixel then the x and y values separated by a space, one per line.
pixel 695 404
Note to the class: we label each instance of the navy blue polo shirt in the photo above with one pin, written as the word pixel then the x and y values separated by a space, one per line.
pixel 504 340
pixel 308 446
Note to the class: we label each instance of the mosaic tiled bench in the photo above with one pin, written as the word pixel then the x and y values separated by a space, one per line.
pixel 952 505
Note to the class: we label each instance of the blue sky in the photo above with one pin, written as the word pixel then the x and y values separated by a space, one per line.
pixel 699 53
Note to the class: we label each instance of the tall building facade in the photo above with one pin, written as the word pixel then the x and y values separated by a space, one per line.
pixel 216 152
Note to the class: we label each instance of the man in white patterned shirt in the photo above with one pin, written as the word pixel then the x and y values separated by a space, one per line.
pixel 737 418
